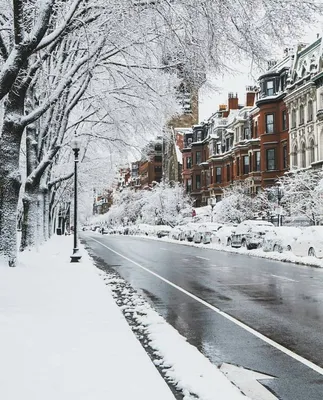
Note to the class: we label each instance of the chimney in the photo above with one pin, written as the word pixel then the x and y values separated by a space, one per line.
pixel 233 101
pixel 250 96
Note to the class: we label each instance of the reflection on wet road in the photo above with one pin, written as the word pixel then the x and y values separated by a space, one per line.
pixel 282 301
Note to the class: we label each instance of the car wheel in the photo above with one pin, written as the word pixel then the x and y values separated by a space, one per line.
pixel 311 252
pixel 229 242
pixel 288 248
pixel 244 244
pixel 276 248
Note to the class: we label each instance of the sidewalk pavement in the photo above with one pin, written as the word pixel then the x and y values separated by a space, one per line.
pixel 62 337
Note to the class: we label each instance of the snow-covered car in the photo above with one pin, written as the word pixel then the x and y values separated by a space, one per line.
pixel 250 233
pixel 223 235
pixel 280 239
pixel 183 233
pixel 163 230
pixel 202 235
pixel 191 230
pixel 309 243
pixel 175 232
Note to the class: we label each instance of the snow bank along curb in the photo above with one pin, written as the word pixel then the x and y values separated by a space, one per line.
pixel 181 363
pixel 283 257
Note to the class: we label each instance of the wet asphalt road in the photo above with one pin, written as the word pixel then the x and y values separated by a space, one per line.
pixel 282 301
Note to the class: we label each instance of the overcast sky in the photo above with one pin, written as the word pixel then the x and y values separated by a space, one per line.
pixel 216 91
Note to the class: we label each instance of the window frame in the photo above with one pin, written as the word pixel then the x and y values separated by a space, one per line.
pixel 284 120
pixel 218 177
pixel 196 158
pixel 269 89
pixel 198 182
pixel 246 170
pixel 270 124
pixel 257 161
pixel 274 167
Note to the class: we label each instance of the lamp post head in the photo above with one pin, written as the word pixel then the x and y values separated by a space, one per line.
pixel 75 143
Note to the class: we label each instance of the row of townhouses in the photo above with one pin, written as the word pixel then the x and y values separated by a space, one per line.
pixel 279 128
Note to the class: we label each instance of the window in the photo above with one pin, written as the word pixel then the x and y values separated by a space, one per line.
pixel 295 163
pixel 228 173
pixel 257 156
pixel 255 130
pixel 269 123
pixel 158 147
pixel 189 141
pixel 198 181
pixel 312 151
pixel 246 164
pixel 301 114
pixel 310 111
pixel 218 175
pixel 271 159
pixel 158 169
pixel 246 133
pixel 293 118
pixel 189 185
pixel 218 148
pixel 189 162
pixel 303 155
pixel 199 136
pixel 158 158
pixel 284 120
pixel 227 144
pixel 198 157
pixel 238 166
pixel 285 157
pixel 270 88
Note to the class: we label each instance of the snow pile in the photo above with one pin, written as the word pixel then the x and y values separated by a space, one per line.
pixel 181 363
pixel 286 256
pixel 63 337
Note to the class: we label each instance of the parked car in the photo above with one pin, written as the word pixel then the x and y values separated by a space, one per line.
pixel 192 229
pixel 309 243
pixel 202 235
pixel 250 233
pixel 183 233
pixel 175 232
pixel 163 230
pixel 223 235
pixel 280 239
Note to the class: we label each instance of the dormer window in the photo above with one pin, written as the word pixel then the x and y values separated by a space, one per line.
pixel 199 136
pixel 270 88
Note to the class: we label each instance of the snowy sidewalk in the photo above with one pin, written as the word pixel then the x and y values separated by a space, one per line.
pixel 63 337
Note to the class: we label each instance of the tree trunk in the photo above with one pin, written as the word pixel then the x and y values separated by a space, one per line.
pixel 30 235
pixel 9 189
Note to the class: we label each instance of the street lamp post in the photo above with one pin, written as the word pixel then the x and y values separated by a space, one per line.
pixel 279 197
pixel 76 256
pixel 212 204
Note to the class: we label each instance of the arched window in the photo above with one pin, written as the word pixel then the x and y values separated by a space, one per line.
pixel 311 151
pixel 310 111
pixel 301 114
pixel 303 155
pixel 295 165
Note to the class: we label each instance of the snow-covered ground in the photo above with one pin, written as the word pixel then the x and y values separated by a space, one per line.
pixel 62 336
